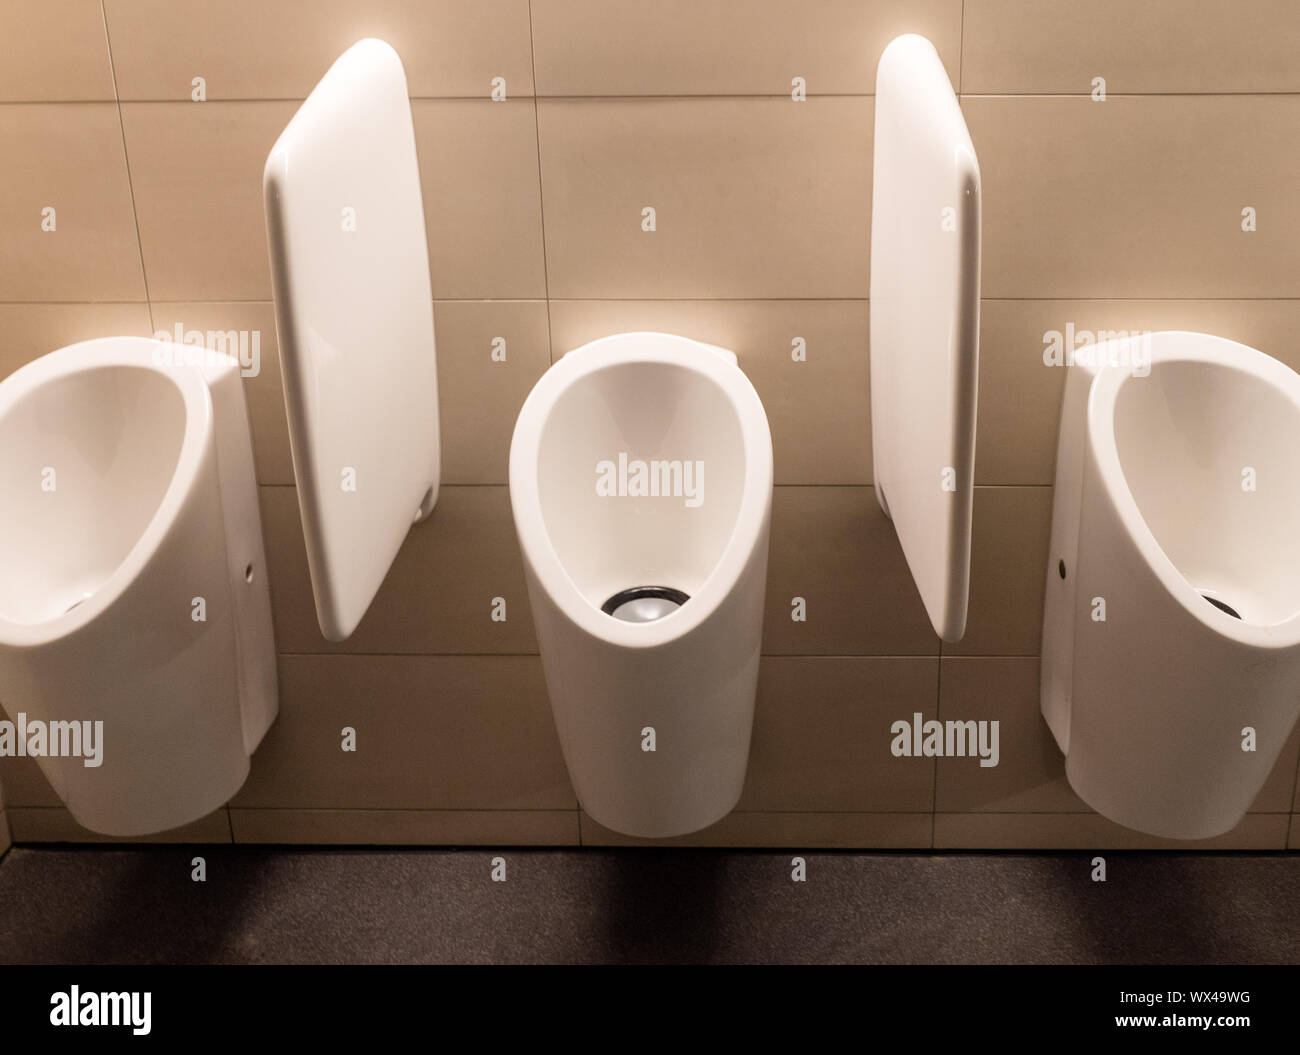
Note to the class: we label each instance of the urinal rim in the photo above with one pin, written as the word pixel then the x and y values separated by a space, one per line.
pixel 1172 346
pixel 752 515
pixel 197 441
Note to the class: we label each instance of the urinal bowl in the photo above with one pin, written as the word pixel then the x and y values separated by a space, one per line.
pixel 133 588
pixel 654 717
pixel 1171 635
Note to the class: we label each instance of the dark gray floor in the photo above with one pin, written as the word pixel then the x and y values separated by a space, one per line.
pixel 318 906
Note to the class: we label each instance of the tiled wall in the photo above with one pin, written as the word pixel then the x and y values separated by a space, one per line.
pixel 1122 214
pixel 4 827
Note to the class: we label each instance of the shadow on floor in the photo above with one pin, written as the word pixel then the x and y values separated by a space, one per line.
pixel 140 905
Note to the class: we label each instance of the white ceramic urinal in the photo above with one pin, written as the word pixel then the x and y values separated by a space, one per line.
pixel 925 296
pixel 641 484
pixel 354 314
pixel 1171 634
pixel 133 588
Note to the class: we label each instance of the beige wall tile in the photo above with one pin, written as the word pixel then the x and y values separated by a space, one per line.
pixel 437 598
pixel 1019 410
pixel 482 198
pixel 1276 795
pixel 830 831
pixel 250 49
pixel 479 397
pixel 1053 46
pixel 54 824
pixel 1138 196
pixel 54 50
pixel 834 547
pixel 817 409
pixel 197 173
pixel 68 157
pixel 1030 774
pixel 821 735
pixel 24 783
pixel 681 47
pixel 1010 533
pixel 253 326
pixel 1090 831
pixel 33 330
pixel 1020 396
pixel 406 827
pixel 753 197
pixel 432 732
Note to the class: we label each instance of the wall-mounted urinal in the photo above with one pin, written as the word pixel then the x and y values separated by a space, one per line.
pixel 354 315
pixel 925 296
pixel 1171 634
pixel 133 588
pixel 641 485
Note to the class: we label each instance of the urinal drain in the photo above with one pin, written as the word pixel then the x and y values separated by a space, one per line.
pixel 644 604
pixel 1221 606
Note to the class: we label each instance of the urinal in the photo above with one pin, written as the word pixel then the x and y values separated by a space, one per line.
pixel 1171 633
pixel 641 486
pixel 133 588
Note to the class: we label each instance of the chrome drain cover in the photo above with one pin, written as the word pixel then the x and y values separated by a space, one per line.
pixel 644 604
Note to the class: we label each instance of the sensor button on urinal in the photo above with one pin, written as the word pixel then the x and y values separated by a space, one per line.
pixel 644 604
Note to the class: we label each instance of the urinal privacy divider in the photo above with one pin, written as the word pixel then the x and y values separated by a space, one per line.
pixel 925 288
pixel 354 314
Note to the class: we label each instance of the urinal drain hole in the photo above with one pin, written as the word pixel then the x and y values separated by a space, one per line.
pixel 644 604
pixel 1221 606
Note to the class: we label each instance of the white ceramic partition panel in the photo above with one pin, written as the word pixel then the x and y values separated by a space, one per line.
pixel 925 282
pixel 354 311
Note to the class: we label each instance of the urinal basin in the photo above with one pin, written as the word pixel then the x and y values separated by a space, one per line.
pixel 641 485
pixel 132 580
pixel 1171 634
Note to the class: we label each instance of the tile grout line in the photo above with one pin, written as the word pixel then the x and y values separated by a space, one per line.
pixel 899 656
pixel 635 299
pixel 1229 298
pixel 1292 805
pixel 650 97
pixel 541 196
pixel 961 51
pixel 934 777
pixel 126 158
